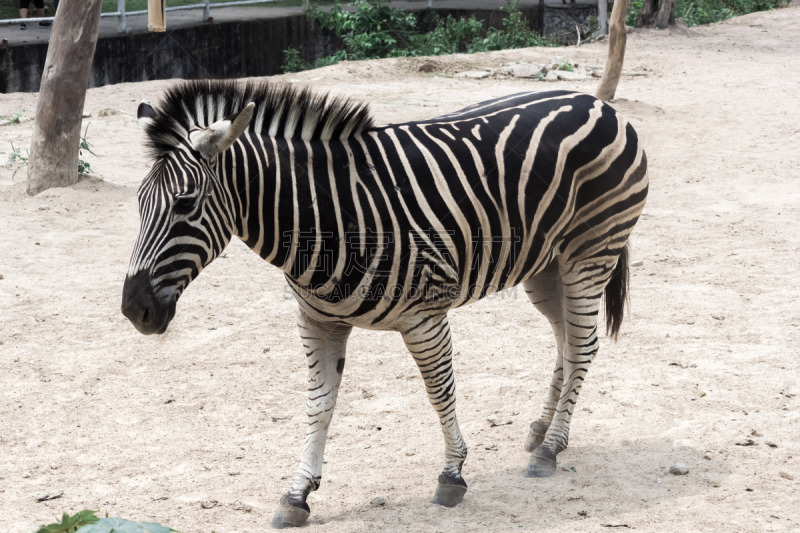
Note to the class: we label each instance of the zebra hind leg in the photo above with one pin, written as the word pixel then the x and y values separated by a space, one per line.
pixel 546 293
pixel 582 285
pixel 429 342
pixel 325 352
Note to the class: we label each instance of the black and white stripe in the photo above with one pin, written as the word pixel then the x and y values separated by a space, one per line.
pixel 391 227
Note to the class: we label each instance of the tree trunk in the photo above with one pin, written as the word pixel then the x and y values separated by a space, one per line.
pixel 602 16
pixel 616 51
pixel 57 127
pixel 647 14
pixel 666 14
pixel 659 13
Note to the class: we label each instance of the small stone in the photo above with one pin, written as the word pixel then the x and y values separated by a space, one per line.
pixel 771 444
pixel 473 74
pixel 551 76
pixel 525 70
pixel 377 501
pixel 107 112
pixel 50 496
pixel 786 475
pixel 44 207
pixel 679 469
pixel 658 480
pixel 498 420
pixel 582 513
pixel 569 76
pixel 5 122
pixel 637 263
pixel 209 504
pixel 239 506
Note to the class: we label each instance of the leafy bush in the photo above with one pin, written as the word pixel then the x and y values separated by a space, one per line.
pixel 371 31
pixel 696 12
pixel 374 30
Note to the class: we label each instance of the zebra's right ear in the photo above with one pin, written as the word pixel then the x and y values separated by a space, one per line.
pixel 219 136
pixel 145 114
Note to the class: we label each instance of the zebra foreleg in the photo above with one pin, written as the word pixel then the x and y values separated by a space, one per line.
pixel 325 352
pixel 545 291
pixel 429 342
pixel 582 291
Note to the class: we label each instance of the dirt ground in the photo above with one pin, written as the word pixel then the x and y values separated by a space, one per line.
pixel 212 413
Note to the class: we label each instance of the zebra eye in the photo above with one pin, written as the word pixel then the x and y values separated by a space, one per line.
pixel 184 204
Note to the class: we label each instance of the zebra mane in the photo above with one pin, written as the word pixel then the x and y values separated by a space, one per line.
pixel 281 111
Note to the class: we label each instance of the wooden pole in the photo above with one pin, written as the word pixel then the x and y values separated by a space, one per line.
pixel 59 107
pixel 157 15
pixel 616 51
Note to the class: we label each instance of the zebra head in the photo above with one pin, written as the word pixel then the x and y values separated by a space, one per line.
pixel 186 219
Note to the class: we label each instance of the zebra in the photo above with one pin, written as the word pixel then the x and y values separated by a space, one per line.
pixel 390 227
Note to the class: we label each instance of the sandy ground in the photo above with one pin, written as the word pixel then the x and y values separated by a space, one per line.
pixel 151 428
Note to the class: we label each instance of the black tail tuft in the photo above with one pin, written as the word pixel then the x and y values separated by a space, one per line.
pixel 617 295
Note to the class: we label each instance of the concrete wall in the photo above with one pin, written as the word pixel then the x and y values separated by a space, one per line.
pixel 220 50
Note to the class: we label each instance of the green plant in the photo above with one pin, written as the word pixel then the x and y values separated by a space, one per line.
pixel 515 32
pixel 449 36
pixel 16 158
pixel 14 118
pixel 634 8
pixel 371 31
pixel 374 30
pixel 293 61
pixel 87 522
pixel 83 166
pixel 567 66
pixel 70 524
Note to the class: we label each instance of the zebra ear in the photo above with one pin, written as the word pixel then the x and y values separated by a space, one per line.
pixel 145 114
pixel 219 136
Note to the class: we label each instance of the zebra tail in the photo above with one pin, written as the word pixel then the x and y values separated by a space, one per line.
pixel 616 295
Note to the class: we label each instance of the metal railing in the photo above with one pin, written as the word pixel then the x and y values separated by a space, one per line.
pixel 121 13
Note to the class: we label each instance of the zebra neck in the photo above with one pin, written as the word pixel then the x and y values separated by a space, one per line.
pixel 283 204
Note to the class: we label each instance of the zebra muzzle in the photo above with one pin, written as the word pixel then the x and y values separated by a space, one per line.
pixel 140 305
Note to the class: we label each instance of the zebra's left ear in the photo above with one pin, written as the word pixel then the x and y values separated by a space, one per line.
pixel 145 114
pixel 219 136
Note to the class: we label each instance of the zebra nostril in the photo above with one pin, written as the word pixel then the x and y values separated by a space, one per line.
pixel 147 316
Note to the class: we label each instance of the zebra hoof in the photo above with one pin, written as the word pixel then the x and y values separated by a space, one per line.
pixel 290 514
pixel 450 490
pixel 535 436
pixel 542 464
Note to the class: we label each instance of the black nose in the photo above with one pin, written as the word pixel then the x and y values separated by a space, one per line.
pixel 142 308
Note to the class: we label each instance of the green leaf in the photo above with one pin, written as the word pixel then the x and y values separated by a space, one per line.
pixel 69 524
pixel 119 525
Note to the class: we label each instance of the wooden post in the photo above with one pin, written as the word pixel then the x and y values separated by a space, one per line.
pixel 59 107
pixel 157 15
pixel 616 51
